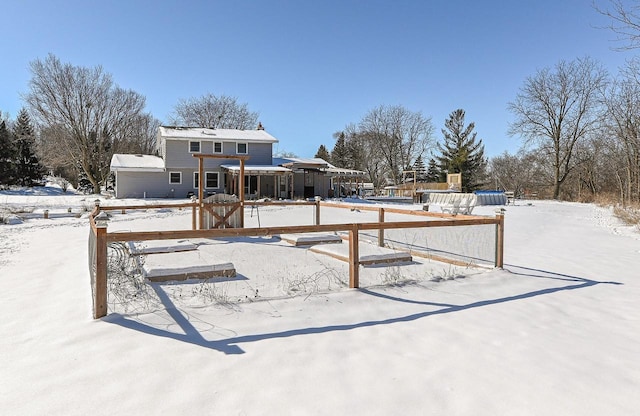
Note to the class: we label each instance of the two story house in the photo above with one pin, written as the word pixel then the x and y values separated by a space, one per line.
pixel 174 171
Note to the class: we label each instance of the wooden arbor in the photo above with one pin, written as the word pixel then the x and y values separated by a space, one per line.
pixel 201 158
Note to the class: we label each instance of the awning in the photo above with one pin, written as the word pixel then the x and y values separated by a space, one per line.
pixel 257 169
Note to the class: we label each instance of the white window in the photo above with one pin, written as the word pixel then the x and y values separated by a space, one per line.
pixel 242 148
pixel 217 147
pixel 211 179
pixel 194 147
pixel 175 178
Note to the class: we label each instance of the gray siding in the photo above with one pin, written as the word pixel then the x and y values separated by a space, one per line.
pixel 141 185
pixel 177 154
pixel 156 185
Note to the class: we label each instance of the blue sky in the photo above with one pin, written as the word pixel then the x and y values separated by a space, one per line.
pixel 312 67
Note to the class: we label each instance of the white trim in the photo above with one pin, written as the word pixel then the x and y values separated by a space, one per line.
pixel 199 146
pixel 221 147
pixel 243 153
pixel 217 180
pixel 175 183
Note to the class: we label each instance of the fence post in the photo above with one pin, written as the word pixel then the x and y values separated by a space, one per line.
pixel 317 211
pixel 381 230
pixel 354 258
pixel 500 240
pixel 100 300
pixel 193 216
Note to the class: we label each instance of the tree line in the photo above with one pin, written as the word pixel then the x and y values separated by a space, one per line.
pixel 578 125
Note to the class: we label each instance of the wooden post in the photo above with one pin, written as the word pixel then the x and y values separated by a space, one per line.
pixel 381 230
pixel 500 241
pixel 354 258
pixel 318 212
pixel 193 216
pixel 46 214
pixel 241 193
pixel 200 193
pixel 100 294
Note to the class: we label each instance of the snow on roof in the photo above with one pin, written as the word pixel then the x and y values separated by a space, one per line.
pixel 299 162
pixel 257 169
pixel 146 163
pixel 202 133
pixel 333 171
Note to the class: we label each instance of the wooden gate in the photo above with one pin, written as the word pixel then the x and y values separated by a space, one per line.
pixel 222 211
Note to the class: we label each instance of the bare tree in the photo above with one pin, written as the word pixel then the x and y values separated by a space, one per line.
pixel 556 109
pixel 398 135
pixel 623 125
pixel 216 112
pixel 625 22
pixel 518 173
pixel 82 113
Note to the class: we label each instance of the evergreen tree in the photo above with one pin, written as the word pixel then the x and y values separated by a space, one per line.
pixel 7 156
pixel 461 153
pixel 27 167
pixel 421 171
pixel 340 153
pixel 434 174
pixel 323 153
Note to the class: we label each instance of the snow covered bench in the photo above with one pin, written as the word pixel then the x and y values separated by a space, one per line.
pixel 307 239
pixel 369 253
pixel 183 266
pixel 159 246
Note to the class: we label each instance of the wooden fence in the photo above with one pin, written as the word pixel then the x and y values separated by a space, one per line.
pixel 99 238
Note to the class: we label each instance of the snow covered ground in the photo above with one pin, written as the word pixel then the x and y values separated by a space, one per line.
pixel 556 332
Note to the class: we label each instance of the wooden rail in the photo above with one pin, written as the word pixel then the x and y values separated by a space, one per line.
pixel 103 238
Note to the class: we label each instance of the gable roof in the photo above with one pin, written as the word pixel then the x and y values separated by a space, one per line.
pixel 202 133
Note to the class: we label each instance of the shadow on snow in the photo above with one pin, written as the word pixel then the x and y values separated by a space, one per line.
pixel 231 345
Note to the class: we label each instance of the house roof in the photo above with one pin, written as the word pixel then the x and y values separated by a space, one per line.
pixel 202 133
pixel 345 173
pixel 319 164
pixel 302 163
pixel 138 163
pixel 257 169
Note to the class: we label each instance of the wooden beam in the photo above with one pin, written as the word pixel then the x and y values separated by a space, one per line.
pixel 200 193
pixel 100 294
pixel 381 231
pixel 500 241
pixel 354 258
pixel 241 190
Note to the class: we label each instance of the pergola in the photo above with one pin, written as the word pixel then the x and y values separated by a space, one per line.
pixel 201 158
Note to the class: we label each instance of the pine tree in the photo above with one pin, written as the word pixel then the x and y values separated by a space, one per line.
pixel 434 174
pixel 461 153
pixel 28 169
pixel 7 156
pixel 323 153
pixel 421 171
pixel 340 153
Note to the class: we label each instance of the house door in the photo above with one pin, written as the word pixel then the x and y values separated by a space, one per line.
pixel 309 188
pixel 282 187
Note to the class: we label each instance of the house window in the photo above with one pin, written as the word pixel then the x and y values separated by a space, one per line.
pixel 242 148
pixel 194 147
pixel 217 147
pixel 175 178
pixel 211 179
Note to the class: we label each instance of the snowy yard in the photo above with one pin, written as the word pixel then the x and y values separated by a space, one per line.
pixel 556 332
